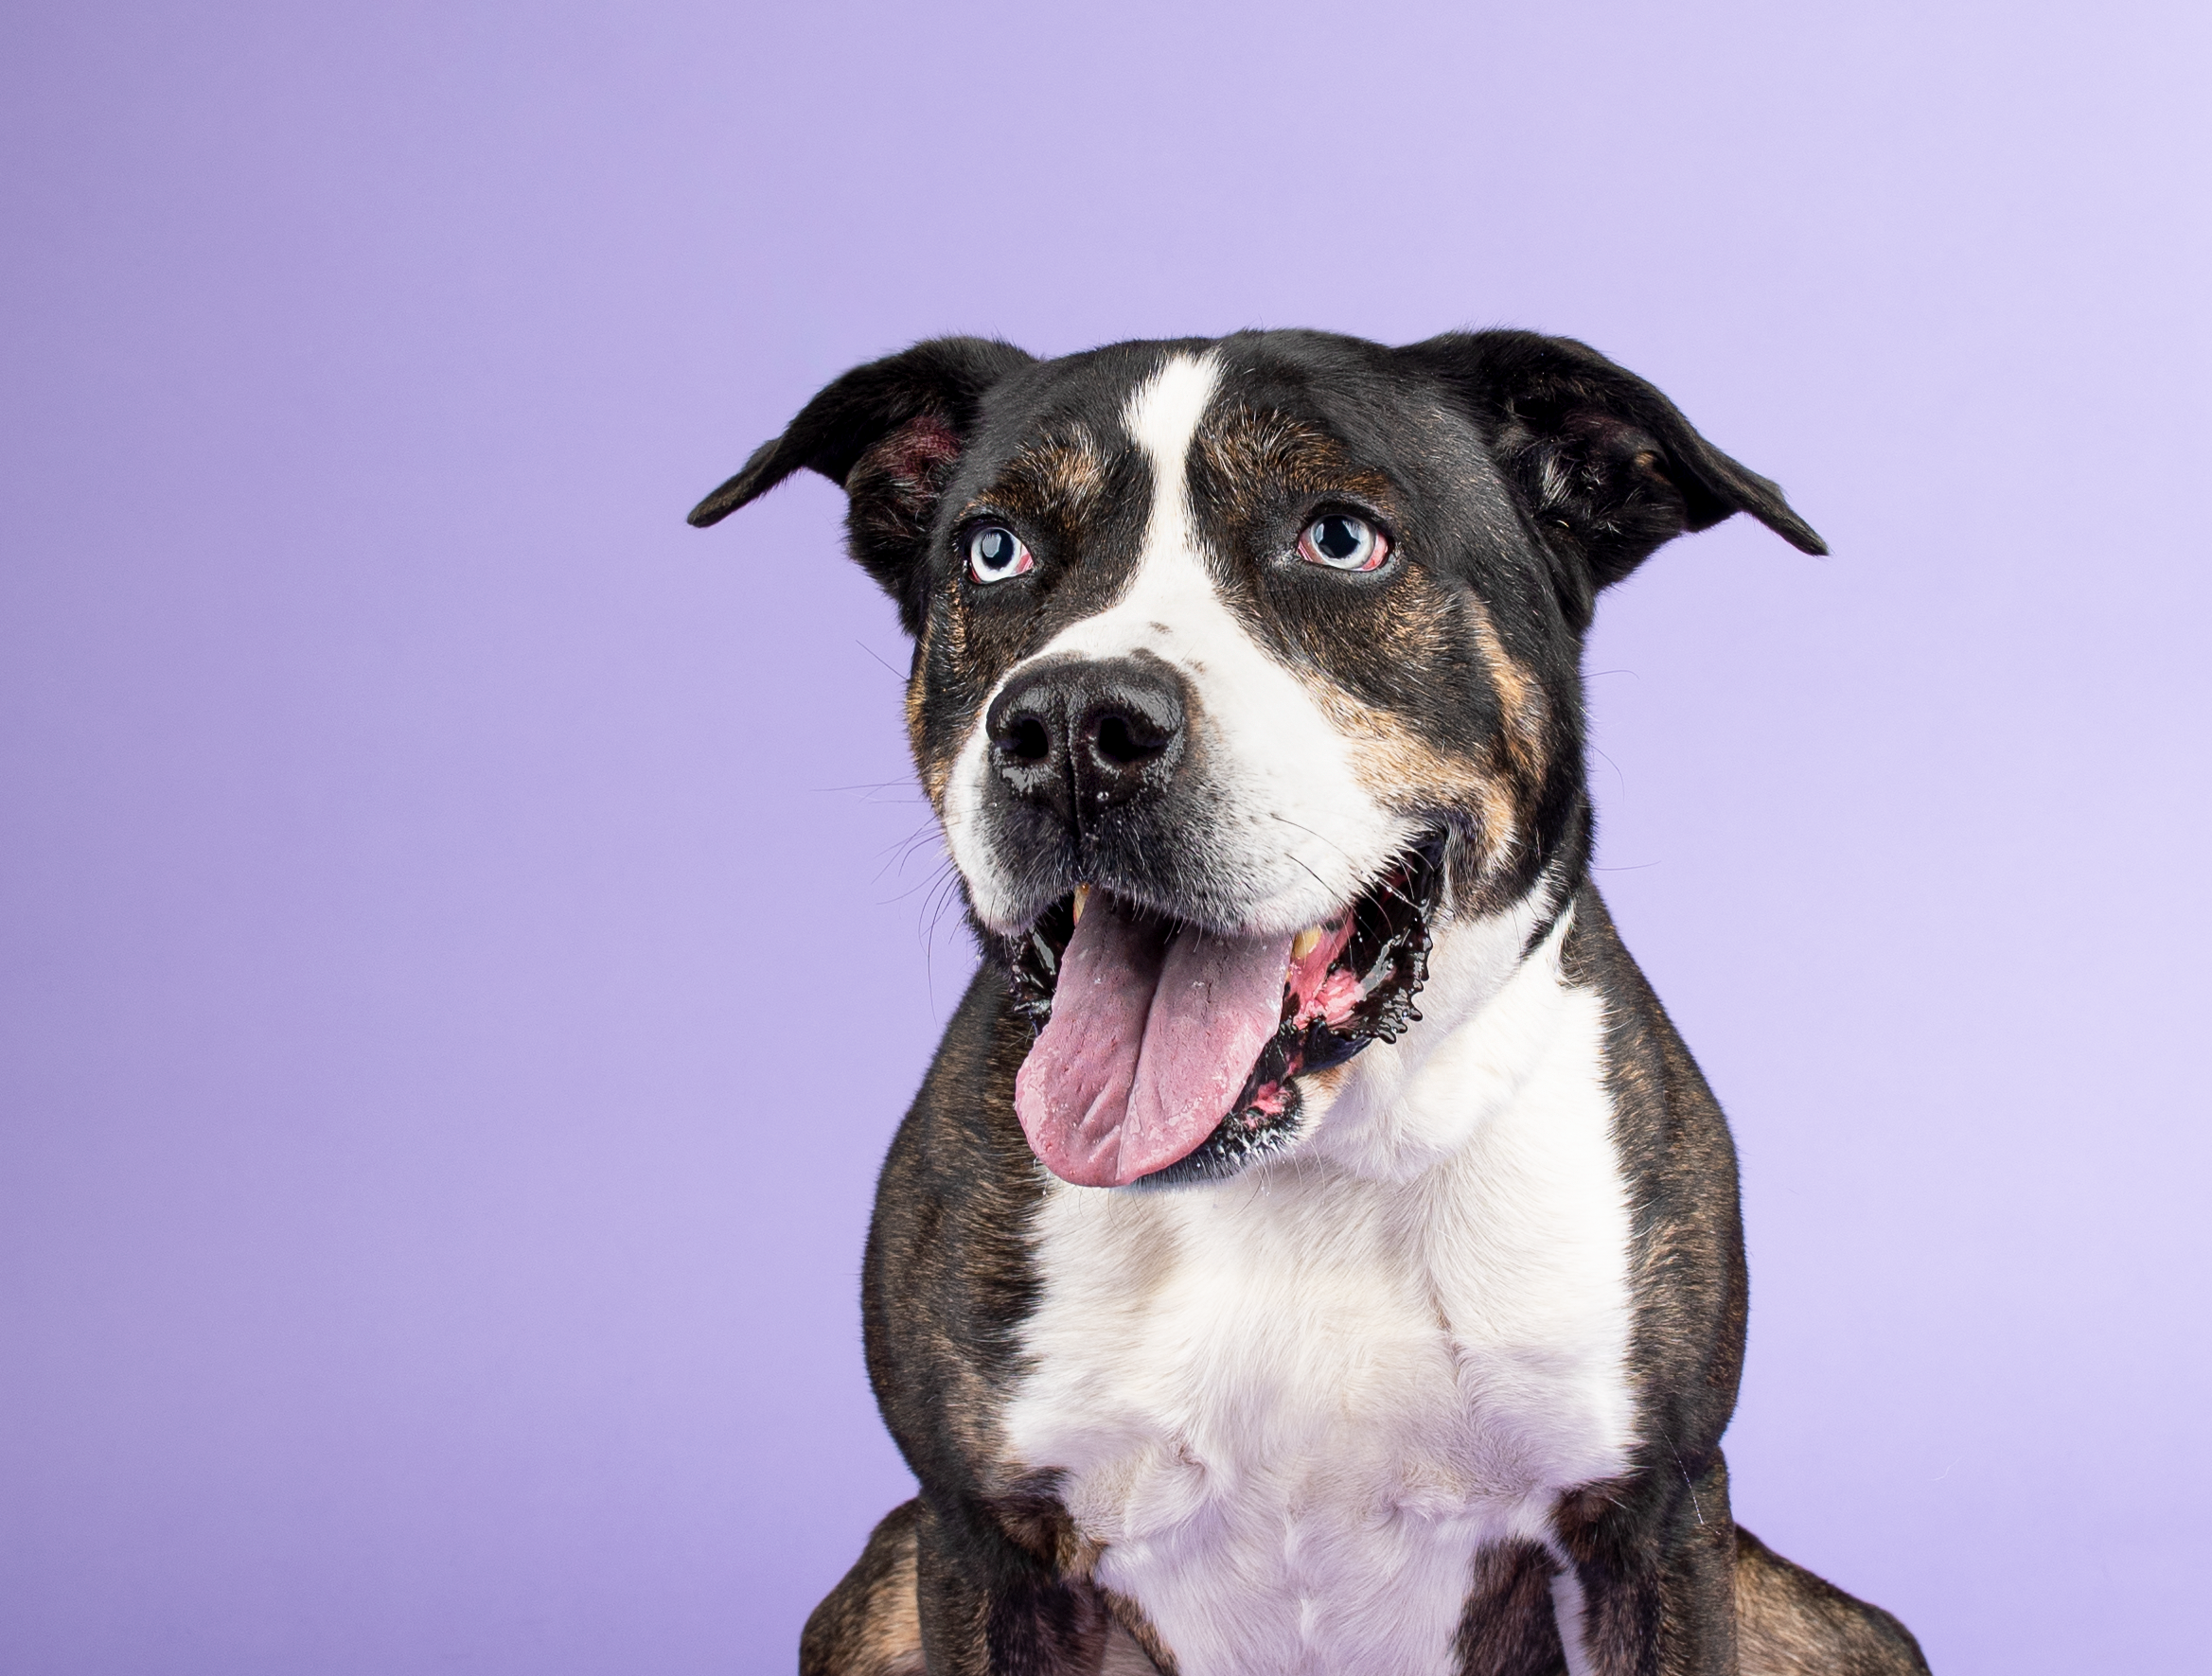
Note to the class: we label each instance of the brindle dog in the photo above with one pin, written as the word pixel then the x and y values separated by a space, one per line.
pixel 1313 1248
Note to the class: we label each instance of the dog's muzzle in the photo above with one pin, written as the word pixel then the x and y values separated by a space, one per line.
pixel 1171 1036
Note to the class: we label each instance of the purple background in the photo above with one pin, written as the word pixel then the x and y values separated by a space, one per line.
pixel 468 938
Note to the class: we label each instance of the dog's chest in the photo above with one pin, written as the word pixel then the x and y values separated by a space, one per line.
pixel 1291 1408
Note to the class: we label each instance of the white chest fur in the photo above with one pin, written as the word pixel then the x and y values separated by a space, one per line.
pixel 1292 1406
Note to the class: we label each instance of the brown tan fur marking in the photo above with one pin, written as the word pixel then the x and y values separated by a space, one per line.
pixel 1246 449
pixel 1055 480
pixel 1519 694
pixel 1791 1623
pixel 870 1624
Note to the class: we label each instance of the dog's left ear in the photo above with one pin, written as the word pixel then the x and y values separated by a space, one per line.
pixel 889 434
pixel 1608 466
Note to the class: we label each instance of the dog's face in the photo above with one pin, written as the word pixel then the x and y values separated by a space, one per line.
pixel 1238 664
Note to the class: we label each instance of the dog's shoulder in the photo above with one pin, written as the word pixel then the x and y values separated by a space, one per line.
pixel 1678 1166
pixel 948 1280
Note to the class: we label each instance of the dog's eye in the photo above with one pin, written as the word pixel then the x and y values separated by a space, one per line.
pixel 1343 543
pixel 995 553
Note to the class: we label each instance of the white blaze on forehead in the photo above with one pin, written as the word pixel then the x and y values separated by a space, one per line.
pixel 1162 416
pixel 1286 820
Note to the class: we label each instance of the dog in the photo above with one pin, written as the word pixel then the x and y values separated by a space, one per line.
pixel 1312 1249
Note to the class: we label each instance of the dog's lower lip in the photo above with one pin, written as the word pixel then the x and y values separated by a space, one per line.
pixel 1365 994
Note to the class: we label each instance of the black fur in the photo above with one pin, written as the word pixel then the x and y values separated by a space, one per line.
pixel 930 395
pixel 1517 476
pixel 1606 467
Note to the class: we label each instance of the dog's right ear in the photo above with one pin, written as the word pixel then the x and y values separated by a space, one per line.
pixel 889 432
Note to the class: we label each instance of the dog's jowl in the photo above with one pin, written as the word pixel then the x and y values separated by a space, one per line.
pixel 1313 1248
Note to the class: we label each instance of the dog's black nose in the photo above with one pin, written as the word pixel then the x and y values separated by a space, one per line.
pixel 1082 736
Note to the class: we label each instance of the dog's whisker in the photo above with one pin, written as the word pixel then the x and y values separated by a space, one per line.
pixel 878 657
pixel 1383 886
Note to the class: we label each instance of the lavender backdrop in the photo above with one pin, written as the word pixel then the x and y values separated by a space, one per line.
pixel 468 938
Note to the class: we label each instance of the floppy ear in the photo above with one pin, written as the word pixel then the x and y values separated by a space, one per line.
pixel 1606 465
pixel 889 432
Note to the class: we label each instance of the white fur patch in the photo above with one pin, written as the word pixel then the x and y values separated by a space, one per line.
pixel 1567 1608
pixel 1289 819
pixel 1291 1406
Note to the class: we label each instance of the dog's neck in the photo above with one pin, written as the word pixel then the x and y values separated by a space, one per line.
pixel 1490 1007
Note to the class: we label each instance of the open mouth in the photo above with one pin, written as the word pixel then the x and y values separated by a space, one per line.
pixel 1166 1052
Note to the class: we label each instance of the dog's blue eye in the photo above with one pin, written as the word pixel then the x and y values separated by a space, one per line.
pixel 995 553
pixel 1343 543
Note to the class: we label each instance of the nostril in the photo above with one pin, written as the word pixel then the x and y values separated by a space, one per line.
pixel 1077 737
pixel 1118 742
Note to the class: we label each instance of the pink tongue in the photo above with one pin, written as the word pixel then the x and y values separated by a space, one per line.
pixel 1147 1046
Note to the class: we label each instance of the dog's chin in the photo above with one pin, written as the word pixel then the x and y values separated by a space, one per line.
pixel 1350 983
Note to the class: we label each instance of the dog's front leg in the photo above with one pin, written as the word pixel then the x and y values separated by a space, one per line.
pixel 1650 1587
pixel 991 1606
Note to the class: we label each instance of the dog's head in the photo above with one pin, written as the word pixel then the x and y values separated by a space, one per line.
pixel 1239 666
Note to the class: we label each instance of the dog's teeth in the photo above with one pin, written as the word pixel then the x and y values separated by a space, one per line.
pixel 1082 895
pixel 1306 943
